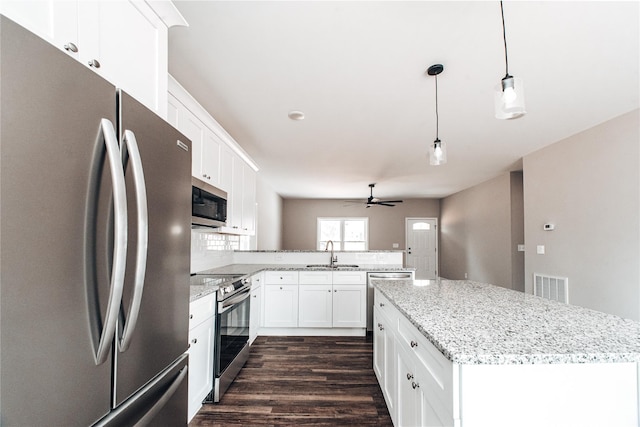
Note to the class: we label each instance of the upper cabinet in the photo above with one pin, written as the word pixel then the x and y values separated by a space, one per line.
pixel 216 159
pixel 126 42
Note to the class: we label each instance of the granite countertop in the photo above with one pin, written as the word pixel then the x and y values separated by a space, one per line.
pixel 478 323
pixel 204 288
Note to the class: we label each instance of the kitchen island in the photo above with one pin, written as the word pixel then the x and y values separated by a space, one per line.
pixel 467 353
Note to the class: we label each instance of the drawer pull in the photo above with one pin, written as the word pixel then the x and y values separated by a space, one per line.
pixel 381 304
pixel 409 376
pixel 191 316
pixel 415 385
pixel 195 340
pixel 94 63
pixel 414 344
pixel 70 47
pixel 380 326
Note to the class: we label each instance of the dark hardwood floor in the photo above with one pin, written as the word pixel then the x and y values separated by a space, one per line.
pixel 320 381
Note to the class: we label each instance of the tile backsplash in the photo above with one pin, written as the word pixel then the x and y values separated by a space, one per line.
pixel 211 250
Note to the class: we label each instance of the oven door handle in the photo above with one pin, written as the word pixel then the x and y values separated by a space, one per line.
pixel 228 304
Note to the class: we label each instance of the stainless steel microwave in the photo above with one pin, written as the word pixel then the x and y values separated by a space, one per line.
pixel 208 205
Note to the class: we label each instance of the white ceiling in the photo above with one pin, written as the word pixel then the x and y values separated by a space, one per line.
pixel 357 71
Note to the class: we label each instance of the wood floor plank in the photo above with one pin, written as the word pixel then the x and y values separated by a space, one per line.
pixel 302 381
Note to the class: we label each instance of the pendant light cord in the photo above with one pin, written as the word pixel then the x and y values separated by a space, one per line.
pixel 504 37
pixel 436 76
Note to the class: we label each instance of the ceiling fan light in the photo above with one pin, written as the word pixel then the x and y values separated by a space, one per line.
pixel 438 153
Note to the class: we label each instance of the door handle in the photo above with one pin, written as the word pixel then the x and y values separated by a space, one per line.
pixel 131 145
pixel 119 241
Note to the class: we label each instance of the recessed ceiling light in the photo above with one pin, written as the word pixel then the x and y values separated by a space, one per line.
pixel 296 115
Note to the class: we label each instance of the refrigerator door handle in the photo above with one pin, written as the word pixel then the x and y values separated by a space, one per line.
pixel 143 239
pixel 119 241
pixel 148 417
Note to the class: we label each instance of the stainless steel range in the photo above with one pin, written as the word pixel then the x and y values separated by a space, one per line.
pixel 231 342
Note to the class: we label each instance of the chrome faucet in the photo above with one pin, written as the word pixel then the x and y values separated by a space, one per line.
pixel 334 258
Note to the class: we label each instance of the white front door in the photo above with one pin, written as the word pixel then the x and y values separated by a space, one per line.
pixel 422 246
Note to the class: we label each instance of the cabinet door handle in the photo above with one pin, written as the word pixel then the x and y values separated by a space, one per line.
pixel 329 291
pixel 381 304
pixel 414 344
pixel 380 326
pixel 280 287
pixel 191 316
pixel 195 340
pixel 409 376
pixel 94 63
pixel 70 47
pixel 415 385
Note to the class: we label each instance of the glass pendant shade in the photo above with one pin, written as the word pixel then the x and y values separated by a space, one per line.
pixel 509 98
pixel 438 153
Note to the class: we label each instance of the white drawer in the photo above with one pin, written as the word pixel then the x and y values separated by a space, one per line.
pixel 350 277
pixel 382 303
pixel 201 309
pixel 438 372
pixel 281 277
pixel 315 277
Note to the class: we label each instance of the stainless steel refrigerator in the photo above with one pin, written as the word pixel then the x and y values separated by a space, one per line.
pixel 94 247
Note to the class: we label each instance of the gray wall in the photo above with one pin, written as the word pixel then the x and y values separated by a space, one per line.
pixel 386 224
pixel 588 185
pixel 269 217
pixel 480 230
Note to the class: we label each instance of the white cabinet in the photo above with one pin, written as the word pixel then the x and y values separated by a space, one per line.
pixel 126 42
pixel 417 381
pixel 242 197
pixel 280 299
pixel 384 353
pixel 280 306
pixel 201 346
pixel 256 307
pixel 315 306
pixel 349 299
pixel 349 306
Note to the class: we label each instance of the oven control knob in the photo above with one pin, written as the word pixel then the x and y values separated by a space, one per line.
pixel 227 290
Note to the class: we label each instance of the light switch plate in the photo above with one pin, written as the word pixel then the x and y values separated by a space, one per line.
pixel 540 249
pixel 520 248
pixel 395 246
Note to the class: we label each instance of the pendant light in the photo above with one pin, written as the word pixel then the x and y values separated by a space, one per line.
pixel 509 94
pixel 438 150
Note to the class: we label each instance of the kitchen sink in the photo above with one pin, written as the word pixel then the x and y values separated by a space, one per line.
pixel 334 266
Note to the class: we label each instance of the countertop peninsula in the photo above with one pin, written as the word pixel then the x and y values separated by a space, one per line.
pixel 477 323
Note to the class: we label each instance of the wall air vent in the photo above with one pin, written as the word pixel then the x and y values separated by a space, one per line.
pixel 550 287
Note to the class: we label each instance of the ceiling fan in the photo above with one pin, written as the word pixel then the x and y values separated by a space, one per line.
pixel 373 201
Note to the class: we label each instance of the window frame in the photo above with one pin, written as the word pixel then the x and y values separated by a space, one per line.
pixel 342 241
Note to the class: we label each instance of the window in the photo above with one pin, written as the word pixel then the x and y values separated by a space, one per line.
pixel 347 234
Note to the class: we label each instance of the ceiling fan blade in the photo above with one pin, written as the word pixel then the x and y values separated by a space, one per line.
pixel 391 201
pixel 385 204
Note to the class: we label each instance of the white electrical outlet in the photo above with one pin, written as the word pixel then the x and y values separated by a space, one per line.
pixel 395 246
pixel 520 248
pixel 540 249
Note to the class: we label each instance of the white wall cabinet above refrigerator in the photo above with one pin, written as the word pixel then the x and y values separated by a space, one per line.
pixel 126 42
pixel 216 159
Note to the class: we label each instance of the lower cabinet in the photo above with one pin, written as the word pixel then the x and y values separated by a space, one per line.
pixel 256 307
pixel 415 378
pixel 201 345
pixel 349 306
pixel 320 300
pixel 315 306
pixel 384 359
pixel 280 306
